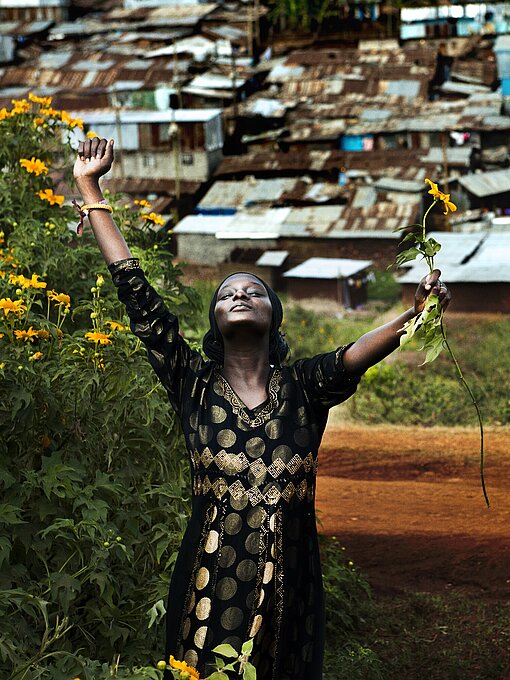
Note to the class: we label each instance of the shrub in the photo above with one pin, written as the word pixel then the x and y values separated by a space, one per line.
pixel 94 482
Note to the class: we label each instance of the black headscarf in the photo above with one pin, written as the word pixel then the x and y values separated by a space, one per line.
pixel 278 347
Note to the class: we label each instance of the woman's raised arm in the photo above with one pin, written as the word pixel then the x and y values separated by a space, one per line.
pixel 375 345
pixel 95 158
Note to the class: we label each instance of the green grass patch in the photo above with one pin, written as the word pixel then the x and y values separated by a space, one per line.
pixel 440 637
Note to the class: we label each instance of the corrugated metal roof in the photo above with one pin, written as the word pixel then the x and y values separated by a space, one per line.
pixel 327 268
pixel 108 117
pixel 455 155
pixel 393 184
pixel 272 258
pixel 487 183
pixel 488 264
pixel 215 81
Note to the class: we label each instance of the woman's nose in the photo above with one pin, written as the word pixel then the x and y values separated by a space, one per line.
pixel 239 293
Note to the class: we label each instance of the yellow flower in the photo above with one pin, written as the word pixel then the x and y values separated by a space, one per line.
pixel 115 326
pixel 30 334
pixel 20 106
pixel 439 196
pixel 99 280
pixel 43 334
pixel 12 306
pixel 4 114
pixel 43 101
pixel 61 299
pixel 34 165
pixel 35 356
pixel 97 337
pixel 143 204
pixel 434 190
pixel 183 666
pixel 91 134
pixel 38 122
pixel 447 204
pixel 51 113
pixel 154 217
pixel 22 281
pixel 48 195
pixel 69 120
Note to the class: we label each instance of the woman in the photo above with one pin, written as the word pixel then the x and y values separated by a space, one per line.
pixel 249 564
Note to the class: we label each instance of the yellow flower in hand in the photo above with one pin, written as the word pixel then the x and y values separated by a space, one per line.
pixel 434 189
pixel 448 205
pixel 439 196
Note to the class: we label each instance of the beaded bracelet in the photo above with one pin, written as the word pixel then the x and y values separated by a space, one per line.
pixel 84 210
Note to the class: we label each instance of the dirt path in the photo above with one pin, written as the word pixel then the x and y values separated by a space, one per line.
pixel 408 506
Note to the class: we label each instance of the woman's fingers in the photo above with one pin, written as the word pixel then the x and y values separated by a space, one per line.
pixel 101 148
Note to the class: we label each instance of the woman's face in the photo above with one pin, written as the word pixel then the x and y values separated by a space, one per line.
pixel 242 301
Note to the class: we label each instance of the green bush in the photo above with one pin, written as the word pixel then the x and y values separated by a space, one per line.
pixel 92 469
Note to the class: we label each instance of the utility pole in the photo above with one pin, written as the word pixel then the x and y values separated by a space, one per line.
pixel 118 128
pixel 175 139
pixel 234 83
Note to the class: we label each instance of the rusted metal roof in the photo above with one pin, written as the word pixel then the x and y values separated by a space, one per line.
pixel 404 163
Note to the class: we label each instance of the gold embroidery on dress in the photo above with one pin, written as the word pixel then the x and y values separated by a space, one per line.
pixel 271 496
pixel 279 588
pixel 234 463
pixel 239 408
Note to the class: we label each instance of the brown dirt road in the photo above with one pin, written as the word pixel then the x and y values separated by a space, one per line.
pixel 408 506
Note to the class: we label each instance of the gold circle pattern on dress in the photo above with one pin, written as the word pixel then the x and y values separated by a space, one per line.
pixel 193 420
pixel 226 438
pixel 252 543
pixel 239 503
pixel 255 626
pixel 199 638
pixel 273 428
pixel 246 570
pixel 186 628
pixel 211 544
pixel 218 414
pixel 255 517
pixel 191 602
pixel 205 433
pixel 255 447
pixel 250 599
pixel 233 523
pixel 232 618
pixel 203 608
pixel 268 572
pixel 191 657
pixel 283 453
pixel 227 556
pixel 302 437
pixel 226 588
pixel 202 578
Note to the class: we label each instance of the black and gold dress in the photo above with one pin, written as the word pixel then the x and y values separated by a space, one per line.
pixel 249 563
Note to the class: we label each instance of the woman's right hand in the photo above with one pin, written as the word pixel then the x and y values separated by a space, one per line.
pixel 95 158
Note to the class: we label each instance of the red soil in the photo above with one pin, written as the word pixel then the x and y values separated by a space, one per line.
pixel 408 506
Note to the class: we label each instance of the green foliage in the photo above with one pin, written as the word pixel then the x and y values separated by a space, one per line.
pixel 94 482
pixel 348 609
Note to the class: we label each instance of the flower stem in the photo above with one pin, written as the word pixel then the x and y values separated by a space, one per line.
pixel 475 404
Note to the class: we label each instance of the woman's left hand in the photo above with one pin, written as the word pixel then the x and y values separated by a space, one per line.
pixel 431 284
